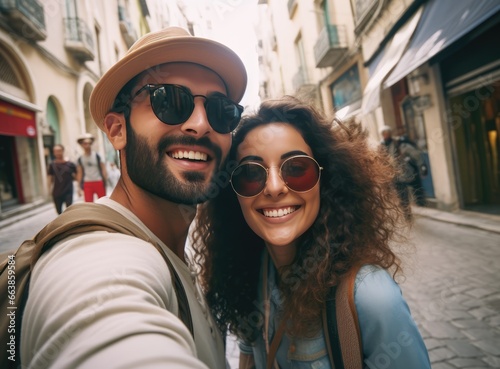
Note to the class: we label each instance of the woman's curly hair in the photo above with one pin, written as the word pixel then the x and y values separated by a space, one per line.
pixel 358 217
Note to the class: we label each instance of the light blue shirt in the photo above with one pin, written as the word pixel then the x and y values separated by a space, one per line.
pixel 390 337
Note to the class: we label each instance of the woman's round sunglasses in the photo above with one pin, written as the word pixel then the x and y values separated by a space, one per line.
pixel 300 174
pixel 174 104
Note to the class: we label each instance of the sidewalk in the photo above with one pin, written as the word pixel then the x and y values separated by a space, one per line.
pixel 24 211
pixel 472 219
pixel 487 222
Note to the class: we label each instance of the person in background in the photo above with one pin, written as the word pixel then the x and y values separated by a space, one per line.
pixel 91 171
pixel 411 166
pixel 60 177
pixel 307 203
pixel 113 175
pixel 107 300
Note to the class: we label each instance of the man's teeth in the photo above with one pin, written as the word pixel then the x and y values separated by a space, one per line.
pixel 192 155
pixel 279 212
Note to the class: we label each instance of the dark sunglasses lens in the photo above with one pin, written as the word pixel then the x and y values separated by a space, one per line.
pixel 300 173
pixel 223 114
pixel 171 104
pixel 249 179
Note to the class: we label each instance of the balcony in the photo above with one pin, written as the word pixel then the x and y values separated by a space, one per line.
pixel 331 45
pixel 26 17
pixel 79 41
pixel 128 32
pixel 273 43
pixel 300 79
pixel 292 5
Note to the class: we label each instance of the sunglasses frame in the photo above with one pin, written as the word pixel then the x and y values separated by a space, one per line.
pixel 153 87
pixel 320 168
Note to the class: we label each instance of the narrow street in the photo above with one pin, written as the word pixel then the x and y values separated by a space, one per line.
pixel 451 283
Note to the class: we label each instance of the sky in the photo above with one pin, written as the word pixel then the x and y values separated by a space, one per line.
pixel 233 24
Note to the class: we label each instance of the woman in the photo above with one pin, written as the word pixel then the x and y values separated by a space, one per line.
pixel 307 202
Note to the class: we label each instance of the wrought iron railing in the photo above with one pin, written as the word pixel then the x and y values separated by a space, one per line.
pixel 31 9
pixel 78 31
pixel 331 37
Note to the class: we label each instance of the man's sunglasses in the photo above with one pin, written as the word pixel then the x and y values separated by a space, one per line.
pixel 300 174
pixel 174 104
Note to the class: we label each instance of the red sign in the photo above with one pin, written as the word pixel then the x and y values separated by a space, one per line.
pixel 16 121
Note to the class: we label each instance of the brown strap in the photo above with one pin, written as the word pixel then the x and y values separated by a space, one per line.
pixel 275 343
pixel 87 217
pixel 327 334
pixel 273 348
pixel 346 326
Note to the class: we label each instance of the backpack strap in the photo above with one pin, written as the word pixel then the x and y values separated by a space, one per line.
pixel 341 325
pixel 87 217
pixel 98 157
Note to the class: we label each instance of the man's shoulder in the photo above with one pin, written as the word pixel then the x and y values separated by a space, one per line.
pixel 69 164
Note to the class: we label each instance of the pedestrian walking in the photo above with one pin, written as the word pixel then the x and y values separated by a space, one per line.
pixel 307 206
pixel 410 163
pixel 91 171
pixel 108 300
pixel 60 176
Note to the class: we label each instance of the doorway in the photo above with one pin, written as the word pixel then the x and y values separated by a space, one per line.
pixel 10 193
pixel 476 127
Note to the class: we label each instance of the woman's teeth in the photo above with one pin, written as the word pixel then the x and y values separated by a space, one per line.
pixel 275 213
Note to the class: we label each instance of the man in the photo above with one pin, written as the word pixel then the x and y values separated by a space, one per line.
pixel 411 164
pixel 91 171
pixel 60 177
pixel 106 300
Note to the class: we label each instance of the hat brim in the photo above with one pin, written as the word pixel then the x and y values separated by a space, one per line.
pixel 80 140
pixel 189 49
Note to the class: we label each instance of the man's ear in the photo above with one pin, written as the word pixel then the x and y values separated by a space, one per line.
pixel 116 129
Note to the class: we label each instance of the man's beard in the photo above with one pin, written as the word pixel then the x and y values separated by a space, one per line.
pixel 146 167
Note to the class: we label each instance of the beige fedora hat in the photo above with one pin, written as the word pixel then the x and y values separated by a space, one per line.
pixel 172 44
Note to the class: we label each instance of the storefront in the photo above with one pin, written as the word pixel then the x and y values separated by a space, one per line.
pixel 471 78
pixel 18 154
pixel 448 81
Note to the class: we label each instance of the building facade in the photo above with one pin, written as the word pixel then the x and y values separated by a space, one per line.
pixel 51 55
pixel 430 69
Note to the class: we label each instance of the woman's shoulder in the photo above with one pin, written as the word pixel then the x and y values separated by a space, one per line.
pixel 375 286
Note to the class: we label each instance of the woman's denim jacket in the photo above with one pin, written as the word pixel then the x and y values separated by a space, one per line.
pixel 390 337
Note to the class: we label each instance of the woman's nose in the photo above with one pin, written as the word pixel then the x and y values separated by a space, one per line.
pixel 275 186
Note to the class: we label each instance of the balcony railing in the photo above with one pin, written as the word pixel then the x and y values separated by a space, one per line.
pixel 292 4
pixel 300 79
pixel 26 17
pixel 126 28
pixel 331 45
pixel 273 43
pixel 79 40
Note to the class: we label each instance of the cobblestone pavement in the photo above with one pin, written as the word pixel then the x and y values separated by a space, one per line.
pixel 453 291
pixel 452 285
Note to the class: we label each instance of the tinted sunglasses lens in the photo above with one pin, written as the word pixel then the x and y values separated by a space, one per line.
pixel 223 114
pixel 249 179
pixel 300 173
pixel 171 104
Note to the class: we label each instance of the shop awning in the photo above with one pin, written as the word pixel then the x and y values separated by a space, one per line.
pixel 391 55
pixel 16 121
pixel 443 23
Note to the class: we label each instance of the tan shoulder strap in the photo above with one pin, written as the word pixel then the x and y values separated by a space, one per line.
pixel 87 217
pixel 341 325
